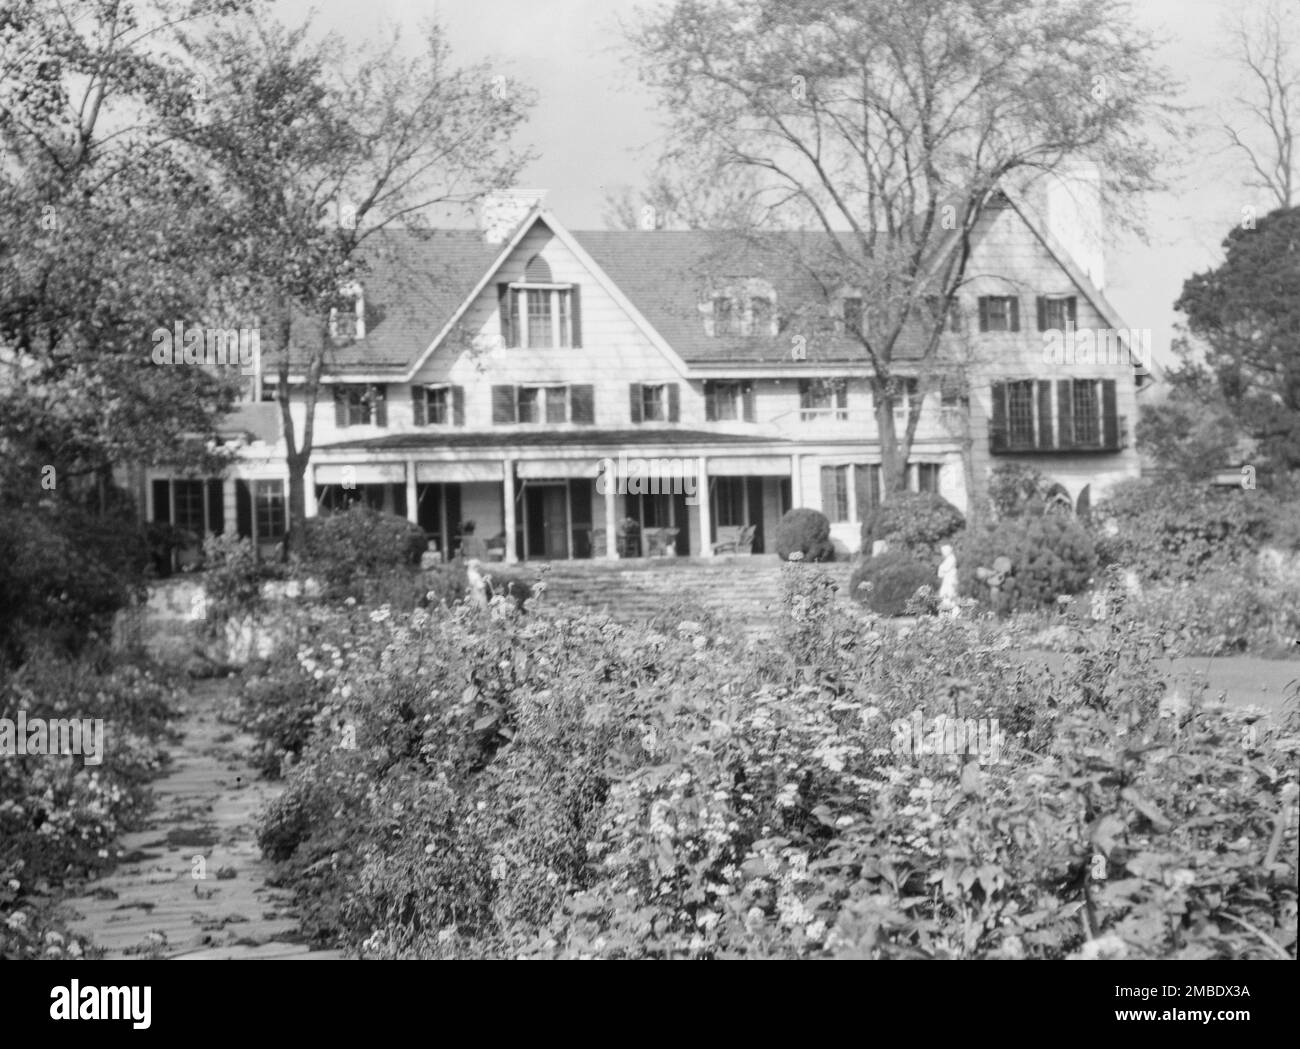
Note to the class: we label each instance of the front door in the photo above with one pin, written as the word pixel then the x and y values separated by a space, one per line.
pixel 546 517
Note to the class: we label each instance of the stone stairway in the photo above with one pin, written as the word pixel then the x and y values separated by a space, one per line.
pixel 744 588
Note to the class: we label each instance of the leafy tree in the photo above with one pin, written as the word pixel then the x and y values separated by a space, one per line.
pixel 890 124
pixel 1192 433
pixel 317 147
pixel 1246 313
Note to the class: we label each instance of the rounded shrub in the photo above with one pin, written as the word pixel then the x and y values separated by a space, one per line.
pixel 360 542
pixel 806 532
pixel 1050 555
pixel 916 521
pixel 887 584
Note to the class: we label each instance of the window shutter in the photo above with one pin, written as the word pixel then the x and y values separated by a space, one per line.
pixel 984 313
pixel 1065 413
pixel 216 506
pixel 162 501
pixel 998 438
pixel 635 405
pixel 379 405
pixel 747 394
pixel 458 405
pixel 340 406
pixel 1072 311
pixel 842 394
pixel 710 402
pixel 1045 413
pixel 1042 313
pixel 1015 313
pixel 244 509
pixel 1109 416
pixel 828 490
pixel 503 405
pixel 582 404
pixel 575 315
pixel 674 403
pixel 805 394
pixel 418 405
pixel 504 308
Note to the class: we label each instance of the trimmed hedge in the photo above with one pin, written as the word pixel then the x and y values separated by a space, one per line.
pixel 360 542
pixel 806 532
pixel 917 521
pixel 887 584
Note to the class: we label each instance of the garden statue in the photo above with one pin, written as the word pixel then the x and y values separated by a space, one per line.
pixel 994 578
pixel 879 547
pixel 948 581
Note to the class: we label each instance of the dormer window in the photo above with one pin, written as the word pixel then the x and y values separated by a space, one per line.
pixel 853 314
pixel 537 312
pixel 748 309
pixel 348 315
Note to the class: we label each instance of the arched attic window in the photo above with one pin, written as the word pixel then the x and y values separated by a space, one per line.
pixel 537 271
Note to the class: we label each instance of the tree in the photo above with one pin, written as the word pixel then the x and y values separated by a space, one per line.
pixel 1265 116
pixel 888 125
pixel 318 147
pixel 1246 313
pixel 1192 433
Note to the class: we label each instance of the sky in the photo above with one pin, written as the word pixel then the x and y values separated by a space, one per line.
pixel 598 130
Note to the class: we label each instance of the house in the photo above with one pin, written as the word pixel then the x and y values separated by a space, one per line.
pixel 549 384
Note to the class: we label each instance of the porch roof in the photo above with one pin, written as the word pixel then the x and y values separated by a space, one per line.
pixel 438 441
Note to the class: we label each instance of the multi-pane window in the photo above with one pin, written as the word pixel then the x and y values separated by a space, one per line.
pixel 557 404
pixel 1086 412
pixel 729 496
pixel 269 508
pixel 1020 412
pixel 537 317
pixel 1056 312
pixel 359 406
pixel 539 403
pixel 760 313
pixel 529 398
pixel 540 328
pixel 727 401
pixel 927 477
pixel 853 315
pixel 654 403
pixel 437 405
pixel 907 398
pixel 724 316
pixel 188 497
pixel 999 313
pixel 835 492
pixel 823 399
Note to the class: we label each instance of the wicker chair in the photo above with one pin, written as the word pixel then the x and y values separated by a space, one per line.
pixel 740 541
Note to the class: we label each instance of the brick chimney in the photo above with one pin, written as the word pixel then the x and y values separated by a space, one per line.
pixel 503 210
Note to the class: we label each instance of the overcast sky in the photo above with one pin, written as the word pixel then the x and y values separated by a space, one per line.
pixel 597 129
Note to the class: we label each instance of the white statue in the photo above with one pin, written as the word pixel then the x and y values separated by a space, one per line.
pixel 948 581
pixel 479 591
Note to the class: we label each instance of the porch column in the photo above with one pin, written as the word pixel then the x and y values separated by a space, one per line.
pixel 611 514
pixel 796 481
pixel 706 509
pixel 148 498
pixel 229 505
pixel 412 501
pixel 308 491
pixel 508 493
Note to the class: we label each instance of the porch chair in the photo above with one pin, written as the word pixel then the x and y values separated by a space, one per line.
pixel 496 547
pixel 737 540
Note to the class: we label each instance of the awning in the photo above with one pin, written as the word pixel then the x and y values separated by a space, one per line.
pixel 538 468
pixel 476 471
pixel 361 473
pixel 633 466
pixel 750 466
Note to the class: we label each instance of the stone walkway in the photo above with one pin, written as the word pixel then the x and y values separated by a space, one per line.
pixel 154 905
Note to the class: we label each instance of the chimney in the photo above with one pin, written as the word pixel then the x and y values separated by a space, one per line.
pixel 1073 215
pixel 503 210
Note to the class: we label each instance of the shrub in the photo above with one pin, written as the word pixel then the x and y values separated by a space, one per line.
pixel 360 542
pixel 887 583
pixel 1020 490
pixel 1050 556
pixel 806 532
pixel 1176 531
pixel 919 522
pixel 233 577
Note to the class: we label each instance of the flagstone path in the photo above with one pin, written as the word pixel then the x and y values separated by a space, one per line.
pixel 155 904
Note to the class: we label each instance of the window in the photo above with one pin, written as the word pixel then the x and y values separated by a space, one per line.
pixel 538 317
pixel 999 313
pixel 728 401
pixel 853 315
pixel 437 405
pixel 931 310
pixel 348 315
pixel 927 477
pixel 761 314
pixel 1057 312
pixel 823 399
pixel 723 316
pixel 654 404
pixel 188 496
pixel 542 403
pixel 269 503
pixel 360 406
pixel 1020 413
pixel 907 398
pixel 1085 410
pixel 835 492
